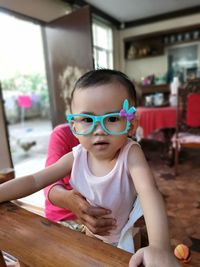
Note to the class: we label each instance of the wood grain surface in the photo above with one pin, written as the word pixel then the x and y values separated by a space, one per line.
pixel 40 243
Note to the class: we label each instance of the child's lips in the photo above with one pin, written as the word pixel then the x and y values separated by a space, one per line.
pixel 101 144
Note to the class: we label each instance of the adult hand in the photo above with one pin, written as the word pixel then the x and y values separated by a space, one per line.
pixel 97 220
pixel 153 257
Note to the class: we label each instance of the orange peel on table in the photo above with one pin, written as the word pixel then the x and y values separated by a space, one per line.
pixel 182 252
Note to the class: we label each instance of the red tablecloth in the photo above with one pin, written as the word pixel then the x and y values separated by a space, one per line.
pixel 155 118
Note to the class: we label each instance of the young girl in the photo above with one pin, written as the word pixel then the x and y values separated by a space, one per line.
pixel 107 168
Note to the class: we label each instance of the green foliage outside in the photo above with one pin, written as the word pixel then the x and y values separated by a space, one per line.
pixel 28 84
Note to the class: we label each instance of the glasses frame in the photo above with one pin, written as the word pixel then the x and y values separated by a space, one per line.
pixel 96 119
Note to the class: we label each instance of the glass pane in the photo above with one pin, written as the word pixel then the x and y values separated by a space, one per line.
pixel 102 59
pixel 184 55
pixel 102 37
pixel 102 46
pixel 183 59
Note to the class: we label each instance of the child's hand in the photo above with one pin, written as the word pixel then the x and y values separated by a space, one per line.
pixel 153 257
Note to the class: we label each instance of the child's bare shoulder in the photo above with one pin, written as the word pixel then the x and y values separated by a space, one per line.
pixel 135 155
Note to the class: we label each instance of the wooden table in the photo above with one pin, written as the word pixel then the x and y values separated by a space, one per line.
pixel 152 119
pixel 38 242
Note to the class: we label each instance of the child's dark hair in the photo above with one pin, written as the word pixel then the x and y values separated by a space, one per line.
pixel 105 76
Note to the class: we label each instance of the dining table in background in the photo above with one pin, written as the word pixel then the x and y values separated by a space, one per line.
pixel 153 119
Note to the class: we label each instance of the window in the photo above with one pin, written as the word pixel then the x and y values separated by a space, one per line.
pixel 102 45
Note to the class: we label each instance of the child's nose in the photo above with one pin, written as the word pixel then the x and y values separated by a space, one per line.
pixel 98 129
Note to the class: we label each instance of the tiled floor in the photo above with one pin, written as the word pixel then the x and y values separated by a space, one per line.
pixel 182 198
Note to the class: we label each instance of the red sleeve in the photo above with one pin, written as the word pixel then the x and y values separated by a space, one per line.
pixel 61 142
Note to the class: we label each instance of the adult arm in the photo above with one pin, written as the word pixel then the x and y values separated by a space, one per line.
pixel 91 217
pixel 158 253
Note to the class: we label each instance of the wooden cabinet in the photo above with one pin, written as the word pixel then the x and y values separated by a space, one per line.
pixel 145 47
pixel 153 44
pixel 153 89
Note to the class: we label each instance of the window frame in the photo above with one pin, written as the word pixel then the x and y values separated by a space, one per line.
pixel 97 48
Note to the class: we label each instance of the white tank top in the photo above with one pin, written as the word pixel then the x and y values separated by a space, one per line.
pixel 114 190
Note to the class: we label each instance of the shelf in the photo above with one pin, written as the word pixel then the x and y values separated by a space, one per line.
pixel 142 48
pixel 151 45
pixel 151 89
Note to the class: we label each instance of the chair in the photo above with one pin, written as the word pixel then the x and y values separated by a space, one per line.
pixel 187 133
pixel 140 236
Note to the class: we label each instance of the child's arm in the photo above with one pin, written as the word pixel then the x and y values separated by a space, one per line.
pixel 150 198
pixel 26 185
pixel 154 211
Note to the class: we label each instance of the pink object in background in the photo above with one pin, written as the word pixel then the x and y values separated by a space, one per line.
pixel 24 101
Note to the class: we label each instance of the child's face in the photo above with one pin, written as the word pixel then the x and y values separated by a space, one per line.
pixel 97 101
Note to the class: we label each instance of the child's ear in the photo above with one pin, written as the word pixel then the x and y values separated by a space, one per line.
pixel 133 127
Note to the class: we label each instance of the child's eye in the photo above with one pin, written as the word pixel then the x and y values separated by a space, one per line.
pixel 87 120
pixel 113 119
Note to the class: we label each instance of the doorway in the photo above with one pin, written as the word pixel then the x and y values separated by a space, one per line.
pixel 25 93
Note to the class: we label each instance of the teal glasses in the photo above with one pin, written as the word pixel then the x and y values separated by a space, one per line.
pixel 113 123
